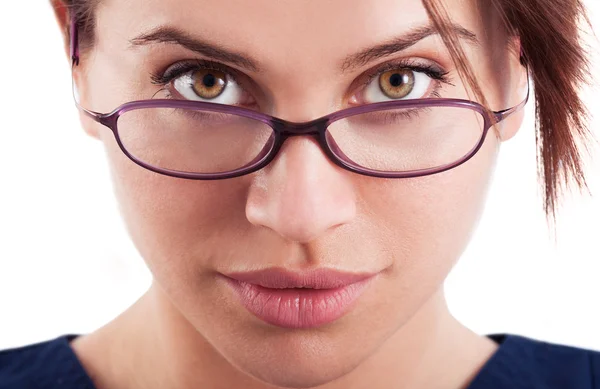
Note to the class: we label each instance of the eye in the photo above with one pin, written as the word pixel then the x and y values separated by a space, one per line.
pixel 205 83
pixel 399 84
pixel 209 85
pixel 200 81
pixel 404 81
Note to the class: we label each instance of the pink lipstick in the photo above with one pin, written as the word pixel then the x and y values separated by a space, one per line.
pixel 298 299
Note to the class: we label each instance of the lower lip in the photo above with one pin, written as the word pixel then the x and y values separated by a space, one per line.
pixel 297 308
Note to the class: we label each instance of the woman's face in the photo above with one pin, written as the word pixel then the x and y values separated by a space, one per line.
pixel 301 211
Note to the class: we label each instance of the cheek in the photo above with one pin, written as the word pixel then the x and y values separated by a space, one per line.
pixel 427 222
pixel 172 220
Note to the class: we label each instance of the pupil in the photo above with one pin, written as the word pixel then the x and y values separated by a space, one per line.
pixel 396 79
pixel 209 80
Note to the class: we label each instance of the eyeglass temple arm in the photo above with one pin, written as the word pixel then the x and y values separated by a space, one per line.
pixel 96 116
pixel 501 115
pixel 74 34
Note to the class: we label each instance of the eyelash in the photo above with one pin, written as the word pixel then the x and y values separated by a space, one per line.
pixel 434 72
pixel 181 68
pixel 178 69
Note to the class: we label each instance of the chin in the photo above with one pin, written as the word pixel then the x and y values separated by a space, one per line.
pixel 290 373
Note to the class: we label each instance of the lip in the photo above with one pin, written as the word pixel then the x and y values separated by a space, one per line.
pixel 278 278
pixel 298 299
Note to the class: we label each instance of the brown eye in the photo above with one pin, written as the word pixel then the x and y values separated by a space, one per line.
pixel 208 83
pixel 397 83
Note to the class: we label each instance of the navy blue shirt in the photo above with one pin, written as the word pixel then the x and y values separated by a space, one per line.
pixel 519 363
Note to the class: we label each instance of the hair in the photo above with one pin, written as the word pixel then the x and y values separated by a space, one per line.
pixel 551 46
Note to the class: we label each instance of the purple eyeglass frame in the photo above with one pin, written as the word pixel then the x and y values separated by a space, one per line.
pixel 283 129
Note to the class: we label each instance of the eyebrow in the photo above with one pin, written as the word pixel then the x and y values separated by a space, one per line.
pixel 402 43
pixel 169 34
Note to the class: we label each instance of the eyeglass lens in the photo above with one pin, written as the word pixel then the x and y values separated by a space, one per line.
pixel 391 140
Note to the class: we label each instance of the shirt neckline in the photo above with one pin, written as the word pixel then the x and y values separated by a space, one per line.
pixel 500 370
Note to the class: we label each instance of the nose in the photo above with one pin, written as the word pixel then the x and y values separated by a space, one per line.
pixel 301 195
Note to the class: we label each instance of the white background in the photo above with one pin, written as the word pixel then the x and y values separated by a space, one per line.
pixel 67 265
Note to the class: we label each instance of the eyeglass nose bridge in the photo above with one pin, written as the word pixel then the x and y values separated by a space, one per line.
pixel 286 129
pixel 316 129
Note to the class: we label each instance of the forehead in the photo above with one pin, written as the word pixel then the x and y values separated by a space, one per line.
pixel 279 30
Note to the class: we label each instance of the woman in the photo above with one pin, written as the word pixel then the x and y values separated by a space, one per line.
pixel 300 178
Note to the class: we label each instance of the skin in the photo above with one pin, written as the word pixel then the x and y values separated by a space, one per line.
pixel 300 212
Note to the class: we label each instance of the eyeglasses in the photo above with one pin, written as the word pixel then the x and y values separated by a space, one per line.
pixel 209 141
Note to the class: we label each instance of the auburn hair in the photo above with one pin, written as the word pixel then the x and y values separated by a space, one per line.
pixel 558 62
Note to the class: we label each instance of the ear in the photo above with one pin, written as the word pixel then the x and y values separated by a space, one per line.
pixel 63 18
pixel 518 91
pixel 62 14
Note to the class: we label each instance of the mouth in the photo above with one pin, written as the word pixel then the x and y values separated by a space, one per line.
pixel 298 299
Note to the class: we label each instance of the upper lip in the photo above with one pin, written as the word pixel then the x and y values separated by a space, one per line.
pixel 278 278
